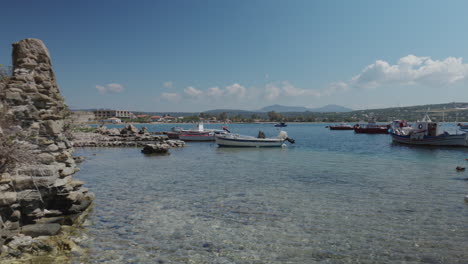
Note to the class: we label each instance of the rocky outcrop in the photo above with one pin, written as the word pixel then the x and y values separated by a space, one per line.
pixel 155 149
pixel 129 136
pixel 129 130
pixel 37 198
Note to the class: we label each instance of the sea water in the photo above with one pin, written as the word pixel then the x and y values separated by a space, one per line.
pixel 333 197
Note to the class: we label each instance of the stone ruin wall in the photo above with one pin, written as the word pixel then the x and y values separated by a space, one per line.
pixel 38 198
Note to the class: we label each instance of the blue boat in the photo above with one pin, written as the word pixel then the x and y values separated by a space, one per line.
pixel 281 124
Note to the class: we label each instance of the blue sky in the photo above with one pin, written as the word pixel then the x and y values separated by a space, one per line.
pixel 179 55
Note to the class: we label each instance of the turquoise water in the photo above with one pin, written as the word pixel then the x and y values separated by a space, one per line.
pixel 333 197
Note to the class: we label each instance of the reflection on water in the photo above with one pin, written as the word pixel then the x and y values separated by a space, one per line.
pixel 334 197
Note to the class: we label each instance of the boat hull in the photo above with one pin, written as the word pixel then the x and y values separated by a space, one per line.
pixel 173 135
pixel 341 128
pixel 373 130
pixel 197 137
pixel 442 140
pixel 239 142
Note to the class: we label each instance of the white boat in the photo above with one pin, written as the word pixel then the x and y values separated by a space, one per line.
pixel 426 132
pixel 236 140
pixel 199 133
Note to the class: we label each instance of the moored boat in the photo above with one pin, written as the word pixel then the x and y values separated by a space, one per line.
pixel 426 132
pixel 463 127
pixel 371 128
pixel 341 127
pixel 197 134
pixel 235 140
pixel 281 124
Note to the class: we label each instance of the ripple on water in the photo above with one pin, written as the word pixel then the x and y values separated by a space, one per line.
pixel 326 200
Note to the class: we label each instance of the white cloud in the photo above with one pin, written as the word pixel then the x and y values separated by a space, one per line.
pixel 110 87
pixel 412 70
pixel 115 87
pixel 168 84
pixel 214 91
pixel 101 89
pixel 236 90
pixel 193 91
pixel 291 90
pixel 273 91
pixel 335 87
pixel 171 97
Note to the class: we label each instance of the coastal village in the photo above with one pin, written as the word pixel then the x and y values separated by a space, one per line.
pixel 451 112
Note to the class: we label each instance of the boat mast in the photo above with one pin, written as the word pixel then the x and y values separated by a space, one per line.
pixel 443 115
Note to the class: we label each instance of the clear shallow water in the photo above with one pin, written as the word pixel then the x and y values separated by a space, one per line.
pixel 333 197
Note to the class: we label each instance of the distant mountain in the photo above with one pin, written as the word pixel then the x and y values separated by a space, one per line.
pixel 283 108
pixel 331 108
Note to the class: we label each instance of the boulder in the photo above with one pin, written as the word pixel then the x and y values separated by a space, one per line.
pixel 155 149
pixel 144 131
pixel 36 230
pixel 129 130
pixel 113 131
pixel 52 127
pixel 7 198
pixel 102 130
pixel 46 158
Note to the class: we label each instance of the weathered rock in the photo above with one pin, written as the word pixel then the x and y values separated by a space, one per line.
pixel 13 96
pixel 28 182
pixel 15 216
pixel 11 225
pixel 46 158
pixel 50 220
pixel 7 198
pixel 144 131
pixel 5 178
pixel 102 130
pixel 113 131
pixel 129 130
pixel 36 230
pixel 84 203
pixel 155 149
pixel 20 241
pixel 67 171
pixel 52 148
pixel 52 127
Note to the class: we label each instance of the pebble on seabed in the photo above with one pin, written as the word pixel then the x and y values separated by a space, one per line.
pixel 466 198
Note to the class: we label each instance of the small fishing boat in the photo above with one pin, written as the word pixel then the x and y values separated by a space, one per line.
pixel 197 134
pixel 341 127
pixel 371 128
pixel 236 140
pixel 281 124
pixel 463 127
pixel 426 132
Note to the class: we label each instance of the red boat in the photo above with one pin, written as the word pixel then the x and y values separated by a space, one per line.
pixel 341 127
pixel 371 128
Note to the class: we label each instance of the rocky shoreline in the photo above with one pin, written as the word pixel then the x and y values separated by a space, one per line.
pixel 39 198
pixel 129 136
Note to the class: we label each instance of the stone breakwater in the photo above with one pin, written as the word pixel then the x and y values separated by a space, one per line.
pixel 38 199
pixel 129 136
